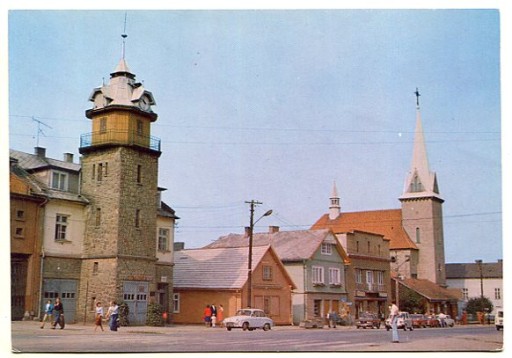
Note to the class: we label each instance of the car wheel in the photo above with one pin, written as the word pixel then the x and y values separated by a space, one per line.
pixel 377 326
pixel 245 326
pixel 266 327
pixel 228 328
pixel 411 328
pixel 387 328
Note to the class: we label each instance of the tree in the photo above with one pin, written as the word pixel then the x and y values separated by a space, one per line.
pixel 479 304
pixel 411 301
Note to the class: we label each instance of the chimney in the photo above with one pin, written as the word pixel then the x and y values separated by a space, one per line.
pixel 273 229
pixel 178 246
pixel 40 152
pixel 68 157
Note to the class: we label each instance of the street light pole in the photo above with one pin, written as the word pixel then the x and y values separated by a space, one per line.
pixel 397 292
pixel 252 203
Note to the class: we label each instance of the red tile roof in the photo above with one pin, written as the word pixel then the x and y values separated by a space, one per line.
pixel 384 222
pixel 430 290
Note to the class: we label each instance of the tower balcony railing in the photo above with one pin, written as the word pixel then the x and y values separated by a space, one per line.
pixel 119 137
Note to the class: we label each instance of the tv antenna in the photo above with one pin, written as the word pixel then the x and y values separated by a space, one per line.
pixel 39 129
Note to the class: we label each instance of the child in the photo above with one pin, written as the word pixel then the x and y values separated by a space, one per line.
pixel 48 313
pixel 99 317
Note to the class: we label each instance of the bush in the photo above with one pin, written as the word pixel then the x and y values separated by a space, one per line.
pixel 154 315
pixel 479 304
pixel 124 311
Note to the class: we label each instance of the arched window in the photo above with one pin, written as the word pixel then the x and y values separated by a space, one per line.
pixel 418 235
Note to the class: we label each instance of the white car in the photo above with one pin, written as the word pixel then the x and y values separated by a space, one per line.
pixel 448 321
pixel 498 320
pixel 249 319
pixel 404 322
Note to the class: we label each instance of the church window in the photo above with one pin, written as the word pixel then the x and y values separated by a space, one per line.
pixel 418 235
pixel 98 216
pixel 416 185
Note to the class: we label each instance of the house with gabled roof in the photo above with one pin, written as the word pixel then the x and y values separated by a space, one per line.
pixel 316 262
pixel 220 276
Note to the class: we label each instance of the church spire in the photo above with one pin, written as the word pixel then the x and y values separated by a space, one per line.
pixel 334 208
pixel 420 181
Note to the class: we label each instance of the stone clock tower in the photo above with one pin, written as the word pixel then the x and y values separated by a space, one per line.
pixel 119 178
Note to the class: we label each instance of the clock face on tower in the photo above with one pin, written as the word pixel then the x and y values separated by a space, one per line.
pixel 144 103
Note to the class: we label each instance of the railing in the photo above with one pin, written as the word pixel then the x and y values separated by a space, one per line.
pixel 89 140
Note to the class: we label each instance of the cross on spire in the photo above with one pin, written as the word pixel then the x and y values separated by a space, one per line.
pixel 417 93
pixel 124 36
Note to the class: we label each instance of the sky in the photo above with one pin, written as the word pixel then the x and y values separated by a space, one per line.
pixel 277 105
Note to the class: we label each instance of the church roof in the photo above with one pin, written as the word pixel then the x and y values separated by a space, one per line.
pixel 384 222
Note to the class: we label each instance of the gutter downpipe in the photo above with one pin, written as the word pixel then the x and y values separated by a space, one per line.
pixel 42 263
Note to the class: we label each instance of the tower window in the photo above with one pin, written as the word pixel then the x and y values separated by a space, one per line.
pixel 163 239
pixel 100 172
pixel 98 216
pixel 140 130
pixel 139 174
pixel 95 267
pixel 103 125
pixel 137 218
pixel 93 171
pixel 418 236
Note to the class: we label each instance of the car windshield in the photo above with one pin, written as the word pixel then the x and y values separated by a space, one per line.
pixel 243 313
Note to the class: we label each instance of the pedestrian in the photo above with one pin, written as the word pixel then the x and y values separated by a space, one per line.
pixel 113 315
pixel 58 312
pixel 48 313
pixel 207 316
pixel 332 318
pixel 99 317
pixel 213 308
pixel 393 315
pixel 464 317
pixel 442 319
pixel 220 315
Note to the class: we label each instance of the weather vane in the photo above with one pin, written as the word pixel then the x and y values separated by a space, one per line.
pixel 417 93
pixel 124 36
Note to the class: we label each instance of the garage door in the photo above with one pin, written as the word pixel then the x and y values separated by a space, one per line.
pixel 66 290
pixel 135 294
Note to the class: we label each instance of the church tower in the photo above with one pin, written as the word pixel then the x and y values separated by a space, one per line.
pixel 334 208
pixel 119 178
pixel 422 215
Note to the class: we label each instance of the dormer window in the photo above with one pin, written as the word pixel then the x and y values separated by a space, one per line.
pixel 326 249
pixel 59 180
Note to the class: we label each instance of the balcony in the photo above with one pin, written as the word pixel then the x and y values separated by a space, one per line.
pixel 92 140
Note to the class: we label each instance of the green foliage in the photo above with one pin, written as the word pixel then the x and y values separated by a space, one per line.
pixel 411 301
pixel 124 311
pixel 154 315
pixel 479 304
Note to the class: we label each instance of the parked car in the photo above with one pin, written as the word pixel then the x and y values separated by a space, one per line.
pixel 404 322
pixel 368 320
pixel 448 321
pixel 432 321
pixel 498 320
pixel 249 319
pixel 418 320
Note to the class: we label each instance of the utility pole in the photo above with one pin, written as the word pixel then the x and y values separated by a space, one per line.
pixel 252 204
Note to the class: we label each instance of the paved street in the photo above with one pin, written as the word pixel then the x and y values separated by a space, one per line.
pixel 28 337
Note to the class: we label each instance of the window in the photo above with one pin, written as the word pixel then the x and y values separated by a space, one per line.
pixel 497 293
pixel 19 232
pixel 318 275
pixel 357 246
pixel 380 278
pixel 326 249
pixel 103 125
pixel 100 172
pixel 369 277
pixel 95 268
pixel 59 180
pixel 20 215
pixel 465 294
pixel 334 276
pixel 163 239
pixel 359 276
pixel 267 273
pixel 139 174
pixel 137 218
pixel 368 247
pixel 98 216
pixel 418 235
pixel 61 225
pixel 139 127
pixel 176 303
pixel 69 295
pixel 93 171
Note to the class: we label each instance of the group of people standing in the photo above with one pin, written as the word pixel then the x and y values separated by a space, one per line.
pixel 213 315
pixel 54 314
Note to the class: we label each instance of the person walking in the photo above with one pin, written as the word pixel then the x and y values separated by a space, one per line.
pixel 48 313
pixel 58 312
pixel 214 314
pixel 99 317
pixel 393 312
pixel 113 315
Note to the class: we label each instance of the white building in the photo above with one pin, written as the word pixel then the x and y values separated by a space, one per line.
pixel 477 279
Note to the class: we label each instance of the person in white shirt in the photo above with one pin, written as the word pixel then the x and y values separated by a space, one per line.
pixel 393 312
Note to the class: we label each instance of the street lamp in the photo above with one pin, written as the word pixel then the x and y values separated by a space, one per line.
pixel 251 230
pixel 397 294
